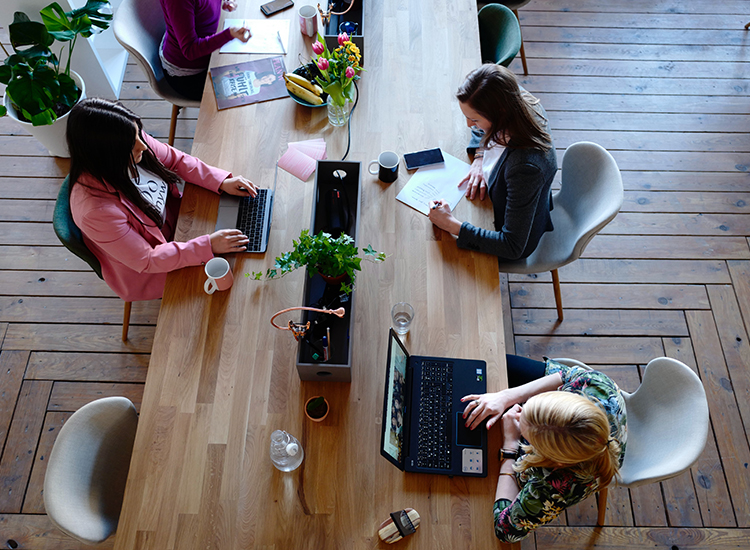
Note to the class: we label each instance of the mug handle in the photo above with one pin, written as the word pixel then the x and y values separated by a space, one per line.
pixel 210 286
pixel 369 168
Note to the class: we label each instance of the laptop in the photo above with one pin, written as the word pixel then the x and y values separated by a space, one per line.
pixel 251 215
pixel 423 429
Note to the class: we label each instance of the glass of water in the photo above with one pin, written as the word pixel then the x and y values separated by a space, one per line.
pixel 402 315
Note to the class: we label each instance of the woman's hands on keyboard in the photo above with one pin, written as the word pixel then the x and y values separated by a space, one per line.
pixel 224 241
pixel 238 185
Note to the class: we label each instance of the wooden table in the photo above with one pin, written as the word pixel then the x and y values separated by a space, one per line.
pixel 221 379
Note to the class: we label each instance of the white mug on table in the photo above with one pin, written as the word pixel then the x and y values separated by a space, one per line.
pixel 308 20
pixel 219 275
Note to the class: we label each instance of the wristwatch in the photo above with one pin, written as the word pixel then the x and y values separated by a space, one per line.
pixel 502 454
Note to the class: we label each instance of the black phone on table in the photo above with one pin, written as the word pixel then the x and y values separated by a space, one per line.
pixel 276 6
pixel 423 158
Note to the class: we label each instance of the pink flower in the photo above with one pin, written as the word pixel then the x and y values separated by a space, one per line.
pixel 343 37
pixel 322 63
pixel 318 48
pixel 349 72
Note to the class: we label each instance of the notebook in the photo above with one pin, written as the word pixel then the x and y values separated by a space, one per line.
pixel 423 429
pixel 251 215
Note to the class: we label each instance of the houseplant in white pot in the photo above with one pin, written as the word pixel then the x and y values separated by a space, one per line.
pixel 40 92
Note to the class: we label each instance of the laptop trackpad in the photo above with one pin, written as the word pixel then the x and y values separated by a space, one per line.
pixel 466 437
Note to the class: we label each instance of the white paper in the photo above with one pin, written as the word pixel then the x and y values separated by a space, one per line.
pixel 264 36
pixel 431 183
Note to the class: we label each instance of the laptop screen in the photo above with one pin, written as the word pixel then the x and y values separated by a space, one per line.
pixel 395 401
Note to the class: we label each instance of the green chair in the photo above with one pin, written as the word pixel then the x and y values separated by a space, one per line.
pixel 70 235
pixel 499 34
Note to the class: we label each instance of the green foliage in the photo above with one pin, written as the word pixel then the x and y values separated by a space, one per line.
pixel 37 88
pixel 317 407
pixel 324 254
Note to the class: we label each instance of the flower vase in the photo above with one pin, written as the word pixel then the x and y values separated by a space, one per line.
pixel 338 114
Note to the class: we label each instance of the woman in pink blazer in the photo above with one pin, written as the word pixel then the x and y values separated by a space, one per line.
pixel 125 199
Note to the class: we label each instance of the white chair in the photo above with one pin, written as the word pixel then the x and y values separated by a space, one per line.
pixel 667 412
pixel 139 26
pixel 590 197
pixel 88 467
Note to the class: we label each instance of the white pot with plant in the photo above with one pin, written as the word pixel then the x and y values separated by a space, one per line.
pixel 39 93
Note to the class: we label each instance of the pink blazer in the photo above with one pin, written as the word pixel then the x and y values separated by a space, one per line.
pixel 135 254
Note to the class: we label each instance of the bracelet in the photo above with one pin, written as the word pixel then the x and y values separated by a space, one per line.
pixel 509 474
pixel 502 454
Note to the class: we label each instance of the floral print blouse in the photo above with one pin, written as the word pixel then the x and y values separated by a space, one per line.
pixel 545 493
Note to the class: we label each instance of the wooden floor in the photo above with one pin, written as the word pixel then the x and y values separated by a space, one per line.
pixel 663 85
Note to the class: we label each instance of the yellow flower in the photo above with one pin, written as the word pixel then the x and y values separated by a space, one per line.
pixel 352 58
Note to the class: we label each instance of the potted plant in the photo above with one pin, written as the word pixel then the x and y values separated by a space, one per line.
pixel 337 260
pixel 316 408
pixel 40 92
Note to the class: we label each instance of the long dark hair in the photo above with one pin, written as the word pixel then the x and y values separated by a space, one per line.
pixel 101 136
pixel 493 92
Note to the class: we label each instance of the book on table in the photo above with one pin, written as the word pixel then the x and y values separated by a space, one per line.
pixel 249 82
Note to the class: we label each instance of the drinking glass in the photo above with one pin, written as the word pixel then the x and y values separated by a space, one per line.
pixel 402 315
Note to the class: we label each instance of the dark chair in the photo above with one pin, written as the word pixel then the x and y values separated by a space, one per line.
pixel 499 35
pixel 70 235
pixel 513 5
pixel 139 26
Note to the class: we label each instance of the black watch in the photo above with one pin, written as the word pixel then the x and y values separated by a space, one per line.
pixel 502 454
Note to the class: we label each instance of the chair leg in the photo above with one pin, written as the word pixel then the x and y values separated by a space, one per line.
pixel 747 26
pixel 173 123
pixel 558 294
pixel 601 505
pixel 523 53
pixel 126 321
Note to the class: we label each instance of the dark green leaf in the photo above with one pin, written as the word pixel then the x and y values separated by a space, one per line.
pixel 29 33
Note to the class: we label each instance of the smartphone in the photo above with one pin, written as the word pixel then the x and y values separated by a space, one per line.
pixel 423 158
pixel 276 6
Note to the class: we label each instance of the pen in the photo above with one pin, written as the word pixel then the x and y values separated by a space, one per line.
pixel 328 333
pixel 325 348
pixel 437 205
pixel 278 35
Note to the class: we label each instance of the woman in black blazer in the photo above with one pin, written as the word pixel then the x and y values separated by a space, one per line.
pixel 514 162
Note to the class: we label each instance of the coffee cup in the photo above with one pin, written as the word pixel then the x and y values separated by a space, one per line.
pixel 388 167
pixel 219 275
pixel 308 20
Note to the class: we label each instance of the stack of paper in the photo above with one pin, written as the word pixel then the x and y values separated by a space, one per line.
pixel 300 159
pixel 438 182
pixel 266 36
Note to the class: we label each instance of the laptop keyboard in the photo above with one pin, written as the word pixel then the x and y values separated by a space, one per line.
pixel 434 441
pixel 250 218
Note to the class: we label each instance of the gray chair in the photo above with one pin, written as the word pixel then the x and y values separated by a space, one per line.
pixel 88 467
pixel 499 35
pixel 668 411
pixel 139 26
pixel 589 198
pixel 513 5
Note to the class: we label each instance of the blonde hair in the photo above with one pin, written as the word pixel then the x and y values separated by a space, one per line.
pixel 568 430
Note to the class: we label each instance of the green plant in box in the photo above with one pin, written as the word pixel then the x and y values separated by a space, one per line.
pixel 36 86
pixel 322 253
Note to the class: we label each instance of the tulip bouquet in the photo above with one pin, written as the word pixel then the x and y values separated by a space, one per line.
pixel 338 68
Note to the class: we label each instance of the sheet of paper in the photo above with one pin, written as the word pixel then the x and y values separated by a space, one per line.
pixel 431 183
pixel 299 159
pixel 264 36
pixel 315 148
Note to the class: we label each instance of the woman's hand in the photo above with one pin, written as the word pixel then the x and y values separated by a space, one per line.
pixel 239 186
pixel 224 241
pixel 228 5
pixel 440 215
pixel 240 33
pixel 491 405
pixel 476 182
pixel 511 425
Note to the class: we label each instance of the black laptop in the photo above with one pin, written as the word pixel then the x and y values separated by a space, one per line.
pixel 423 428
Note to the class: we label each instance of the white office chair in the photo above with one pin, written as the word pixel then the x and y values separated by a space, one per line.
pixel 590 197
pixel 139 26
pixel 88 467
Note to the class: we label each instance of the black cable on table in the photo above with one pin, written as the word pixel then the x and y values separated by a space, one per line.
pixel 349 124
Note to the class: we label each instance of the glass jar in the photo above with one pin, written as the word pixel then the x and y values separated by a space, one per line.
pixel 338 114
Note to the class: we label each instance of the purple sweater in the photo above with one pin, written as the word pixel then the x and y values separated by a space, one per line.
pixel 191 32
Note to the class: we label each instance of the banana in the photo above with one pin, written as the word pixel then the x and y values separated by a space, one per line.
pixel 302 81
pixel 303 93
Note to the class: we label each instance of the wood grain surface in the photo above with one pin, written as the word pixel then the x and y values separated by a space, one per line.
pixel 221 379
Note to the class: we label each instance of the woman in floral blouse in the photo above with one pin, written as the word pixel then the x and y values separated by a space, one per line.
pixel 559 447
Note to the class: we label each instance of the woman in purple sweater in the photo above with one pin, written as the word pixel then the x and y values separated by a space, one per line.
pixel 189 40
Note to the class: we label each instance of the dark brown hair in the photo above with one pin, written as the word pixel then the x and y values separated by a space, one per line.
pixel 101 136
pixel 493 92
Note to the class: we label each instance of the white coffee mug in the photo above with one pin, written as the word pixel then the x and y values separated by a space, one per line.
pixel 219 275
pixel 308 20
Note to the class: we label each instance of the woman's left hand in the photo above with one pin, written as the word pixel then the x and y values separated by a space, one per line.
pixel 228 5
pixel 440 215
pixel 511 426
pixel 237 185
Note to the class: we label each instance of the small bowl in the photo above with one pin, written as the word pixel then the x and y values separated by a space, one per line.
pixel 328 409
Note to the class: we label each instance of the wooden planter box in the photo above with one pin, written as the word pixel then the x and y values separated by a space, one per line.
pixel 319 294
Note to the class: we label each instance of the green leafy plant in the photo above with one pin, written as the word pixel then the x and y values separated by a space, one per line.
pixel 324 254
pixel 36 86
pixel 317 407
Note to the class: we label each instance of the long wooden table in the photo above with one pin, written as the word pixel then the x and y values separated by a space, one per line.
pixel 221 379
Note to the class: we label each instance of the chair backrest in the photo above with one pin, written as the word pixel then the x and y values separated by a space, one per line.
pixel 68 232
pixel 499 34
pixel 139 26
pixel 667 423
pixel 88 467
pixel 590 197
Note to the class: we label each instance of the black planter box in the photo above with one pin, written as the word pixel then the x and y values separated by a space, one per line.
pixel 317 293
pixel 354 15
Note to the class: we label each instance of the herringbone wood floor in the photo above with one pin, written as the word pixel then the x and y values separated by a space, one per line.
pixel 661 84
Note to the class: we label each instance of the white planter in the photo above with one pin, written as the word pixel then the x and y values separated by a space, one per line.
pixel 52 136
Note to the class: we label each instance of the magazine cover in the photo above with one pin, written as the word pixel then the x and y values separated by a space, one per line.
pixel 249 82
